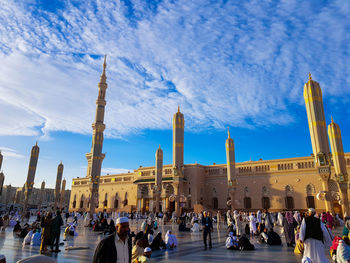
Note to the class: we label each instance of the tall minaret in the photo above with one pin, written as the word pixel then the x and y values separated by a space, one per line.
pixel 58 185
pixel 231 169
pixel 158 177
pixel 339 163
pixel 30 177
pixel 42 191
pixel 95 157
pixel 2 176
pixel 178 141
pixel 318 133
pixel 1 157
pixel 63 189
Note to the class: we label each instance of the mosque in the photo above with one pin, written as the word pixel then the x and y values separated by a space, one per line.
pixel 319 181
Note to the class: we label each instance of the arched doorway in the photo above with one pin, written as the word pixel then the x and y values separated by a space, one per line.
pixel 144 198
pixel 289 200
pixel 82 201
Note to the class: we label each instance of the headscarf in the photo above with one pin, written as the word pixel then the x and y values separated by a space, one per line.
pixel 289 217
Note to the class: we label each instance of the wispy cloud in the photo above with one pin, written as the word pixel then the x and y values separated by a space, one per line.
pixel 226 63
pixel 10 153
pixel 115 170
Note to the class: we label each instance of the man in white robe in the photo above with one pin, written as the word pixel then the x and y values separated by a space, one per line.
pixel 315 237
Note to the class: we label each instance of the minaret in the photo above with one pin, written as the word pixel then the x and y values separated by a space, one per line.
pixel 30 177
pixel 95 157
pixel 158 177
pixel 1 157
pixel 62 193
pixel 339 163
pixel 2 179
pixel 42 191
pixel 178 141
pixel 2 176
pixel 318 133
pixel 231 169
pixel 58 185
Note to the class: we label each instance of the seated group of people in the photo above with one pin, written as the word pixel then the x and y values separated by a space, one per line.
pixel 235 243
pixel 270 237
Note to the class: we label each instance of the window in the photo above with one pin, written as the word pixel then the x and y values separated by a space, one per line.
pixel 215 203
pixel 74 204
pixel 310 202
pixel 247 203
pixel 265 202
pixel 289 202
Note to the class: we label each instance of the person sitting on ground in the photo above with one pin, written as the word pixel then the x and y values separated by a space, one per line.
pixel 182 226
pixel 346 226
pixel 273 239
pixel 299 245
pixel 28 238
pixel 17 227
pixel 158 242
pixel 145 258
pixel 244 243
pixel 263 236
pixel 137 250
pixel 231 242
pixel 24 231
pixel 150 237
pixel 170 240
pixel 36 238
pixel 195 227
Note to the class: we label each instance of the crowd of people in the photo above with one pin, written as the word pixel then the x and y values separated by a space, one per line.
pixel 309 234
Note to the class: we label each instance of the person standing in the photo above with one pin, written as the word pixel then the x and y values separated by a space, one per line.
pixel 314 235
pixel 115 248
pixel 46 223
pixel 207 224
pixel 57 222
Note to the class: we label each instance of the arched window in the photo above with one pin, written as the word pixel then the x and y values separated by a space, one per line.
pixel 246 191
pixel 310 199
pixel 105 202
pixel 247 203
pixel 265 192
pixel 289 190
pixel 126 199
pixel 74 201
pixel 289 202
pixel 265 202
pixel 82 201
pixel 215 203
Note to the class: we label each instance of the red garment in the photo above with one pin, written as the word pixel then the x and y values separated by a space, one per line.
pixel 335 242
pixel 329 218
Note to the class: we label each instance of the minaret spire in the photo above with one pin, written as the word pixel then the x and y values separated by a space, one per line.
pixel 228 131
pixel 95 156
pixel 310 78
pixel 178 108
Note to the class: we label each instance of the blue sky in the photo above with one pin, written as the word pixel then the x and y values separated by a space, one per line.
pixel 241 64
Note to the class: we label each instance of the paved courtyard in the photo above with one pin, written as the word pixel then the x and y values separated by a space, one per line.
pixel 190 248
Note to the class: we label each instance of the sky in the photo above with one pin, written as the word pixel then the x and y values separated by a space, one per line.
pixel 237 64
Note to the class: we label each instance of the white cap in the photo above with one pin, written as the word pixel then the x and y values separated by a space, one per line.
pixel 306 260
pixel 122 220
pixel 147 249
pixel 312 210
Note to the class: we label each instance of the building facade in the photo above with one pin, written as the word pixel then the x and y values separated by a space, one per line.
pixel 281 184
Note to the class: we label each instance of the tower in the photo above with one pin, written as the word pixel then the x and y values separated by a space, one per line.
pixel 178 141
pixel 42 191
pixel 1 157
pixel 58 184
pixel 318 134
pixel 63 189
pixel 158 177
pixel 339 163
pixel 231 169
pixel 95 157
pixel 30 177
pixel 178 157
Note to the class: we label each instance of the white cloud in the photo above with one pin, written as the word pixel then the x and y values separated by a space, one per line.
pixel 224 63
pixel 10 153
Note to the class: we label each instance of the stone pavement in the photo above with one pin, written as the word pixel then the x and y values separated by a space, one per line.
pixel 190 248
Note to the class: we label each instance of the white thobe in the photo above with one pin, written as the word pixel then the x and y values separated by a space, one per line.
pixel 122 249
pixel 313 248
